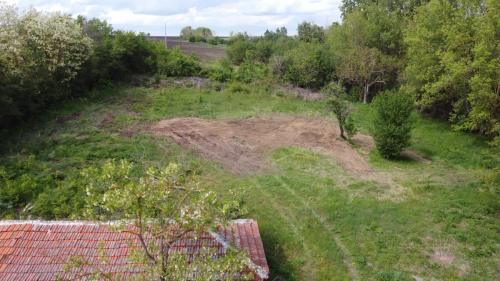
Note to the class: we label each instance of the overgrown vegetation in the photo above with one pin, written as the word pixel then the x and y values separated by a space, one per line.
pixel 46 58
pixel 447 206
pixel 444 54
pixel 429 212
pixel 162 205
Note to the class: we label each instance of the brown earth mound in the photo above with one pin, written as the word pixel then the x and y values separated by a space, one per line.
pixel 240 145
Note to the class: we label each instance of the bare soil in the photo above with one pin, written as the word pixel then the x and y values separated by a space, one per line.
pixel 203 51
pixel 71 117
pixel 240 145
pixel 108 119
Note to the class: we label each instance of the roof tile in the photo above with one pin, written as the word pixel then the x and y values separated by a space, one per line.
pixel 34 250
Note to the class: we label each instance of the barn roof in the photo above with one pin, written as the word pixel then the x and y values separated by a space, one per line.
pixel 39 250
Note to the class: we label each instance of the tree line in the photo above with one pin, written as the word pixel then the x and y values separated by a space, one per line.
pixel 442 54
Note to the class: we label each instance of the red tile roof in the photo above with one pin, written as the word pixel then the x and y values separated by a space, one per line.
pixel 39 250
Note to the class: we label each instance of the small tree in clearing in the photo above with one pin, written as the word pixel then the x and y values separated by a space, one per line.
pixel 392 122
pixel 162 206
pixel 341 108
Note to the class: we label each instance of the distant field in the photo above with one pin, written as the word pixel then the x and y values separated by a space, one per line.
pixel 205 52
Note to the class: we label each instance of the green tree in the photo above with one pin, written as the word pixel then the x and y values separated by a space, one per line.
pixel 340 107
pixel 365 67
pixel 402 7
pixel 163 205
pixel 311 33
pixel 367 49
pixel 484 98
pixel 186 32
pixel 240 48
pixel 41 56
pixel 174 63
pixel 308 65
pixel 392 122
pixel 199 34
pixel 453 63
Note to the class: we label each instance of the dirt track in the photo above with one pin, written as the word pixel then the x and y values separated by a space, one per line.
pixel 240 145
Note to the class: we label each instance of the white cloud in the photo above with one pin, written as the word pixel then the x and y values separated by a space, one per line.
pixel 253 16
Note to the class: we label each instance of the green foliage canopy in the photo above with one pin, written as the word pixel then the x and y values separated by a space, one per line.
pixel 453 59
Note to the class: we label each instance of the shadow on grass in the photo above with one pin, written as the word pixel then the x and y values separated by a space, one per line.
pixel 280 267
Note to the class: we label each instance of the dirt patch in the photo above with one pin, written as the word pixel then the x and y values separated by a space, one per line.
pixel 443 257
pixel 108 119
pixel 64 119
pixel 240 145
pixel 204 51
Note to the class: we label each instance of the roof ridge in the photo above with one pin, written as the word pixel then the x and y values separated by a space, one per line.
pixel 55 222
pixel 85 222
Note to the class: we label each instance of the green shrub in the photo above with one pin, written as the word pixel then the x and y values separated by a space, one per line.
pixel 308 65
pixel 392 123
pixel 250 71
pixel 21 182
pixel 240 46
pixel 222 71
pixel 237 87
pixel 176 64
pixel 340 107
pixel 41 57
pixel 263 50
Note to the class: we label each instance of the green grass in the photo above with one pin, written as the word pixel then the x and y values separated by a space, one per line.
pixel 317 222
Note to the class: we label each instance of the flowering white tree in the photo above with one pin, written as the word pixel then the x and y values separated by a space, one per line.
pixel 40 55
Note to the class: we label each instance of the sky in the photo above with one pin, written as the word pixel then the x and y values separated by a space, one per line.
pixel 222 16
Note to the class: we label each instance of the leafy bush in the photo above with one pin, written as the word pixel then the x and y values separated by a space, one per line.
pixel 222 71
pixel 240 47
pixel 250 71
pixel 263 50
pixel 176 64
pixel 41 56
pixel 392 123
pixel 237 87
pixel 308 66
pixel 29 188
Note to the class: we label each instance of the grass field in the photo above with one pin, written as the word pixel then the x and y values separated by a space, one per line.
pixel 317 221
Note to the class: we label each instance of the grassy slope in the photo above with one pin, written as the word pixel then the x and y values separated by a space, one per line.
pixel 317 222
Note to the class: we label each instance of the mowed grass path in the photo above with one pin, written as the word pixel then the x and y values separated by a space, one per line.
pixel 317 221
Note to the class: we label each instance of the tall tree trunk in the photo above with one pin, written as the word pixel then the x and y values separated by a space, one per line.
pixel 366 90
